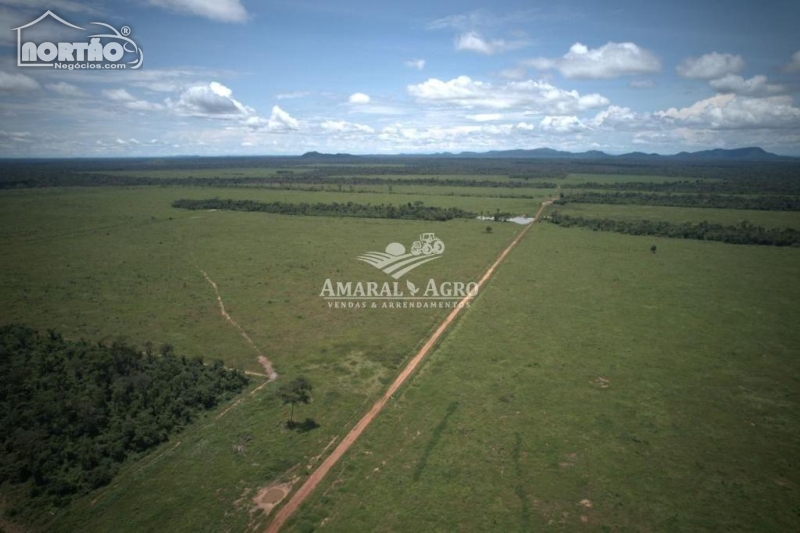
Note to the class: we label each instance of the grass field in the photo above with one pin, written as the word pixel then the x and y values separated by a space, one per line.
pixel 105 263
pixel 592 385
pixel 732 217
pixel 595 385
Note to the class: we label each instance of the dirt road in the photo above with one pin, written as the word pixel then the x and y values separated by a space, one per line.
pixel 314 479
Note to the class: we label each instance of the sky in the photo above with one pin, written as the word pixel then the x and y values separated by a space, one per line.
pixel 283 77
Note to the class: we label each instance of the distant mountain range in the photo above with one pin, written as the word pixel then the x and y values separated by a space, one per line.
pixel 752 153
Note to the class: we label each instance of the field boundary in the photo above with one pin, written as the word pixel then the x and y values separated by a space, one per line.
pixel 319 474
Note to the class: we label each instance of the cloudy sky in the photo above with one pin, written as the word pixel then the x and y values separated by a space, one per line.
pixel 229 77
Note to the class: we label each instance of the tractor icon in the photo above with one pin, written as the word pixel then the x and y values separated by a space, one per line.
pixel 427 244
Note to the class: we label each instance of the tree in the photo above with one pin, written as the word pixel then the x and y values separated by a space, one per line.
pixel 653 248
pixel 488 229
pixel 296 391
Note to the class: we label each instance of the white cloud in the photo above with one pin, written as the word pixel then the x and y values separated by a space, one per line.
pixel 359 98
pixel 562 124
pixel 66 89
pixel 15 136
pixel 481 18
pixel 525 126
pixel 212 100
pixel 221 10
pixel 118 95
pixel 486 117
pixel 609 61
pixel 418 64
pixel 129 101
pixel 341 126
pixel 472 41
pixel 144 105
pixel 280 120
pixel 17 82
pixel 710 66
pixel 757 85
pixel 729 111
pixel 536 96
pixel 622 119
pixel 794 63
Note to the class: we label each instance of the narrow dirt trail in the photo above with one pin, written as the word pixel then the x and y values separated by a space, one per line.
pixel 316 477
pixel 261 358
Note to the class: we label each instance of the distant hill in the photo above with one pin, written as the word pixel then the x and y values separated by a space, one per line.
pixel 318 156
pixel 752 153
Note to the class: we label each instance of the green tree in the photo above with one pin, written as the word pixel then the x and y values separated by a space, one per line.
pixel 296 391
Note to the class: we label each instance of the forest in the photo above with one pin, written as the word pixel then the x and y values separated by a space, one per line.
pixel 745 233
pixel 74 411
pixel 408 211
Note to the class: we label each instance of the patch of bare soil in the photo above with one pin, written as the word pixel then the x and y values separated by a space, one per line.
pixel 602 383
pixel 268 497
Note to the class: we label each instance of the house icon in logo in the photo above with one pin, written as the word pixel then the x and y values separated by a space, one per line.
pixel 31 50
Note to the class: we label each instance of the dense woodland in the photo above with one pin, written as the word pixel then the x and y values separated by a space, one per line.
pixel 71 412
pixel 348 170
pixel 744 233
pixel 408 211
pixel 718 201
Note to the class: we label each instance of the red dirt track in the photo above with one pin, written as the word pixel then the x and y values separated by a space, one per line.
pixel 314 479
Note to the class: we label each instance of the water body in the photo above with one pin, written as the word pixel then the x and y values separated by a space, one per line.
pixel 516 220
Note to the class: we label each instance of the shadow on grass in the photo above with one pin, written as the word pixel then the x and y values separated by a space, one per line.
pixel 301 427
pixel 437 433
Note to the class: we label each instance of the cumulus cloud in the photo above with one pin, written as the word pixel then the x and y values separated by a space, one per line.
pixel 730 111
pixel 710 66
pixel 562 124
pixel 341 126
pixel 537 96
pixel 220 10
pixel 280 120
pixel 214 100
pixel 418 64
pixel 66 89
pixel 757 85
pixel 17 82
pixel 609 61
pixel 794 63
pixel 359 98
pixel 472 41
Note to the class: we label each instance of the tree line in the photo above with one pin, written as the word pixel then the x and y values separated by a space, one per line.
pixel 73 411
pixel 729 186
pixel 718 201
pixel 408 211
pixel 280 181
pixel 744 233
